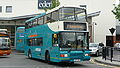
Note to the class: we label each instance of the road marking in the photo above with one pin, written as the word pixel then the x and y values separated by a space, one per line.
pixel 103 64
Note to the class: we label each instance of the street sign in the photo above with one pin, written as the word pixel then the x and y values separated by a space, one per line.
pixel 112 30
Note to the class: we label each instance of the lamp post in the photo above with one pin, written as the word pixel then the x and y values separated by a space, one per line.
pixel 15 36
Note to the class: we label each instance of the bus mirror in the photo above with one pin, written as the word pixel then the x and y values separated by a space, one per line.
pixel 55 36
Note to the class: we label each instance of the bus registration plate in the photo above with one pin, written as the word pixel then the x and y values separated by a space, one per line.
pixel 76 59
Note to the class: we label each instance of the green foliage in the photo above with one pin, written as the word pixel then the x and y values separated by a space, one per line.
pixel 55 3
pixel 116 12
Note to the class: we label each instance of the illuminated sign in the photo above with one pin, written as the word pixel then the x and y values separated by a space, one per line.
pixel 44 4
pixel 74 26
pixel 33 35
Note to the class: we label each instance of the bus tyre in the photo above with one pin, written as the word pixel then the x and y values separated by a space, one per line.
pixel 47 57
pixel 29 55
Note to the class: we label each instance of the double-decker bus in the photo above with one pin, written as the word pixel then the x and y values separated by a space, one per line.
pixel 5 48
pixel 20 39
pixel 59 35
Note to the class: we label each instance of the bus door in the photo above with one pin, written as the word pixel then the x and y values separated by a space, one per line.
pixel 55 45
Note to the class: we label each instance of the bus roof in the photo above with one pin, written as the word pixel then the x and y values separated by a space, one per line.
pixel 20 27
pixel 42 14
pixel 54 9
pixel 3 29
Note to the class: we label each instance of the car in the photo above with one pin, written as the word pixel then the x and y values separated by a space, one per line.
pixel 117 46
pixel 95 48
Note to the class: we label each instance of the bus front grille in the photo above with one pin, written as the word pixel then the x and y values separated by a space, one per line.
pixel 76 55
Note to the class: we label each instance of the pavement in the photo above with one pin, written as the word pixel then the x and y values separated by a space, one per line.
pixel 107 61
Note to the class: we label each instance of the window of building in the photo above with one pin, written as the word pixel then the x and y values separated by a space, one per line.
pixel 9 9
pixel 0 9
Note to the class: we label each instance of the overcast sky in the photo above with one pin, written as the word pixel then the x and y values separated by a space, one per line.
pixel 117 2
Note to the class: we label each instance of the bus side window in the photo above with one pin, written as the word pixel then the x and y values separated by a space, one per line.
pixel 55 16
pixel 30 42
pixel 47 18
pixel 40 21
pixel 55 39
pixel 40 41
pixel 26 25
pixel 35 22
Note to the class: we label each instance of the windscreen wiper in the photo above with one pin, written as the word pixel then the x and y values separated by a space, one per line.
pixel 70 49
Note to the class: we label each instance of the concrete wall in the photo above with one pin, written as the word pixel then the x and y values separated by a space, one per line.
pixel 20 7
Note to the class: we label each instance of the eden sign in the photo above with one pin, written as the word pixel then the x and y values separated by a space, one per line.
pixel 44 4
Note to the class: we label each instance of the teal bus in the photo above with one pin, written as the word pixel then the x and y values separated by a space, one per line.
pixel 59 35
pixel 20 39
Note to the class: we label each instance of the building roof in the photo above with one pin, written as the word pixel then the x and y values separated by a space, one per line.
pixel 19 17
pixel 33 15
pixel 94 14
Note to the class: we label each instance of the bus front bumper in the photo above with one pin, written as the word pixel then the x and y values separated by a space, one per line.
pixel 68 59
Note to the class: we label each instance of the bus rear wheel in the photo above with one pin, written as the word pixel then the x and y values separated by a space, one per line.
pixel 29 55
pixel 47 57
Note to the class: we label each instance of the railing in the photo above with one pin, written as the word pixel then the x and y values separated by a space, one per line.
pixel 111 53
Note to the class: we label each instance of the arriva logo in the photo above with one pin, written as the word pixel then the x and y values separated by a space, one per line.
pixel 44 4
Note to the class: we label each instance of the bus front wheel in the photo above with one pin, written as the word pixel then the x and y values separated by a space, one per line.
pixel 29 55
pixel 47 57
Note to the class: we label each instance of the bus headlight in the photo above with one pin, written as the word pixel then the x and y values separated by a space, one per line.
pixel 63 55
pixel 87 54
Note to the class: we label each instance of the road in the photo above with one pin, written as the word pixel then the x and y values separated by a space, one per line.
pixel 19 60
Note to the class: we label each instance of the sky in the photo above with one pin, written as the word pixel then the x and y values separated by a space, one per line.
pixel 117 2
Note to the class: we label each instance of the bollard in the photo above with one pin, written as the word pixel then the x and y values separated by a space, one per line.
pixel 107 51
pixel 111 53
pixel 104 53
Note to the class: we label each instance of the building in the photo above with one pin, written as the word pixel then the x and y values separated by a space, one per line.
pixel 13 13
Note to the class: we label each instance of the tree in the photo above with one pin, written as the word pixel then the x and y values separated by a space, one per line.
pixel 55 3
pixel 116 12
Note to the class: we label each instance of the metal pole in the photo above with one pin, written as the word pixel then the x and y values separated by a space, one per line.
pixel 112 48
pixel 15 36
pixel 93 31
pixel 111 53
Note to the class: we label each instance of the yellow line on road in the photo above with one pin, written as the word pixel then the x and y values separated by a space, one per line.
pixel 92 60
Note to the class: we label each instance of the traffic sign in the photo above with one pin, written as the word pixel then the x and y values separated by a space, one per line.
pixel 112 30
